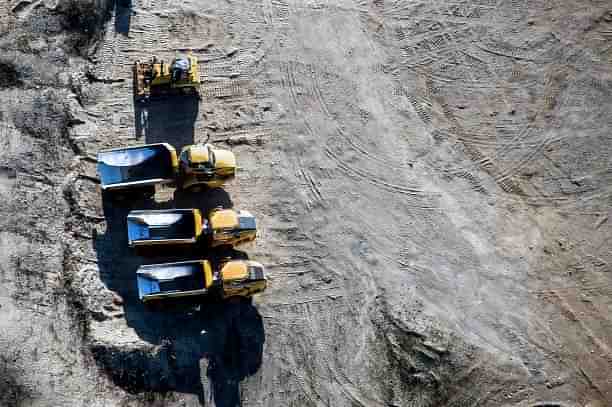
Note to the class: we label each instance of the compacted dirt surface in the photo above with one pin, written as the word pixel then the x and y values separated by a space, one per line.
pixel 432 182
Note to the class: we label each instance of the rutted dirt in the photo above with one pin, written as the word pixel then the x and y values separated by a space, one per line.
pixel 431 182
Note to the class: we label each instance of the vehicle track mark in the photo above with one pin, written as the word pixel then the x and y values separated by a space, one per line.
pixel 359 148
pixel 512 170
pixel 486 163
pixel 313 187
pixel 419 195
pixel 232 88
pixel 256 136
pixel 316 86
pixel 291 84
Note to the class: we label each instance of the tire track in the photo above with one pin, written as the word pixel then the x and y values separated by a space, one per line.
pixel 423 109
pixel 526 159
pixel 291 84
pixel 419 196
pixel 339 134
pixel 314 190
pixel 351 141
pixel 486 163
pixel 316 87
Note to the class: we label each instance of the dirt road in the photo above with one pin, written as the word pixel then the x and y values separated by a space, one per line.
pixel 432 184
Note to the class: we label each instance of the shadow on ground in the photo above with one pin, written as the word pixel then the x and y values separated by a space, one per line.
pixel 204 348
pixel 204 200
pixel 168 120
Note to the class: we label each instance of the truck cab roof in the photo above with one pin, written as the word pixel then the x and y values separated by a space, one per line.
pixel 231 219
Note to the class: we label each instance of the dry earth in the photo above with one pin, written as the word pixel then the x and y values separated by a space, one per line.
pixel 432 181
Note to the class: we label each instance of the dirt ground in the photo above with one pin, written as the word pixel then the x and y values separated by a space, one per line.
pixel 432 182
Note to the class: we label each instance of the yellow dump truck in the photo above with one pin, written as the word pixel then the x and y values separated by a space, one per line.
pixel 150 164
pixel 223 227
pixel 231 278
pixel 157 78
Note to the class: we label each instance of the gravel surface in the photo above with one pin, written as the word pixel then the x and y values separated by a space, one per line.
pixel 432 182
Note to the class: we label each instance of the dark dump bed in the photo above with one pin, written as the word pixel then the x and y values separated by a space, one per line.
pixel 161 225
pixel 165 278
pixel 134 165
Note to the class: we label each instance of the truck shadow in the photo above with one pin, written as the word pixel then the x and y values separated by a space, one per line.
pixel 204 348
pixel 168 120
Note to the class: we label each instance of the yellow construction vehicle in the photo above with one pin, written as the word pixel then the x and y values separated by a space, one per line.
pixel 228 227
pixel 224 227
pixel 201 164
pixel 157 79
pixel 138 167
pixel 231 278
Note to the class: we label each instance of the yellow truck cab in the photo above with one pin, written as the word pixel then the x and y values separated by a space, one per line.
pixel 231 227
pixel 205 165
pixel 242 278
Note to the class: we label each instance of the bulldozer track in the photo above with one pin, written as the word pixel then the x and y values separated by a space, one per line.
pixel 227 89
pixel 252 136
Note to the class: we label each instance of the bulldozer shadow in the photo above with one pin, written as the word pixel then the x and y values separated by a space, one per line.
pixel 170 119
pixel 199 347
pixel 203 199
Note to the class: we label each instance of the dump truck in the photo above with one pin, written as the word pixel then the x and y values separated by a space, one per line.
pixel 231 278
pixel 222 227
pixel 146 165
pixel 156 78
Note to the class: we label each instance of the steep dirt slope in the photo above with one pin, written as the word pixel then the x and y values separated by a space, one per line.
pixel 432 187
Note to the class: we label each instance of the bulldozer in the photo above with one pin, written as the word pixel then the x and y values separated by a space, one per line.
pixel 156 78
